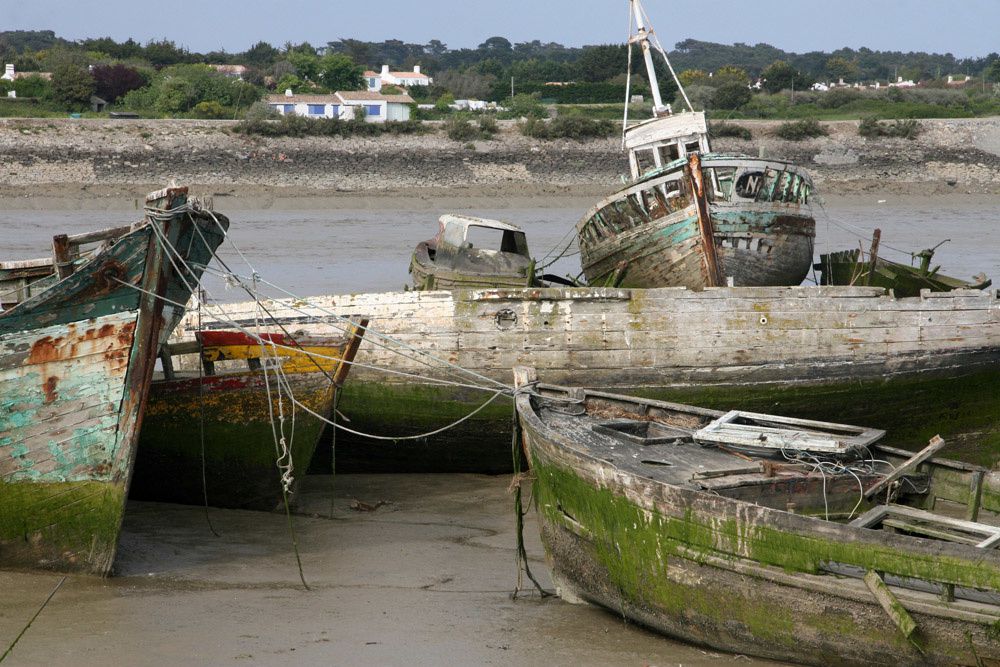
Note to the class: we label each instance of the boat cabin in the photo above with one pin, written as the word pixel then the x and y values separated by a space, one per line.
pixel 657 142
pixel 473 252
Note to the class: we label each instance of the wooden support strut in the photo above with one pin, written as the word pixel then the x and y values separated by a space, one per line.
pixel 713 273
pixel 873 256
pixel 900 617
pixel 907 467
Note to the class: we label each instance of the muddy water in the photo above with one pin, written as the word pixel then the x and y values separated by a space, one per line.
pixel 309 252
pixel 424 579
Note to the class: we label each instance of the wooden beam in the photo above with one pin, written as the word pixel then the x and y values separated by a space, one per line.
pixel 900 617
pixel 61 256
pixel 713 272
pixel 347 358
pixel 936 443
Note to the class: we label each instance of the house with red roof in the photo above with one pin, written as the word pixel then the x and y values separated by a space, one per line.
pixel 375 80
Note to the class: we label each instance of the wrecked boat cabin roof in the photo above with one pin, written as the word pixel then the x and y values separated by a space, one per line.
pixel 473 252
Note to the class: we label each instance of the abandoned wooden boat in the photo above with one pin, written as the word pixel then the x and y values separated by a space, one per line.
pixel 473 252
pixel 887 559
pixel 79 334
pixel 228 434
pixel 854 267
pixel 693 218
pixel 923 365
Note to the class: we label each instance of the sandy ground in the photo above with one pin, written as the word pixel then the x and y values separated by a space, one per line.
pixel 425 579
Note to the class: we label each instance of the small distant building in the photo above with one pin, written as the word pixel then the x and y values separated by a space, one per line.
pixel 899 83
pixel 963 82
pixel 10 75
pixel 344 105
pixel 820 87
pixel 97 105
pixel 375 80
pixel 232 71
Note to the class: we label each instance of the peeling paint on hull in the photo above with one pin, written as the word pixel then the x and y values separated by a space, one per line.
pixel 75 365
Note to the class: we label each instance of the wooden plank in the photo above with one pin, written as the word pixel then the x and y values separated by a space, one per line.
pixel 900 617
pixel 936 443
pixel 871 517
pixel 929 531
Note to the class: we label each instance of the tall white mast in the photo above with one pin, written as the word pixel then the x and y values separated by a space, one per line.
pixel 642 37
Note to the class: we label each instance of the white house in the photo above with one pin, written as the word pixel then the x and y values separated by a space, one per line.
pixel 375 80
pixel 345 105
pixel 10 75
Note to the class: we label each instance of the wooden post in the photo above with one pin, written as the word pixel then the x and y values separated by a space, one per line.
pixel 60 256
pixel 713 273
pixel 975 496
pixel 346 359
pixel 873 256
pixel 936 443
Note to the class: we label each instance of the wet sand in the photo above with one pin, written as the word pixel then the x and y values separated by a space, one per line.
pixel 425 579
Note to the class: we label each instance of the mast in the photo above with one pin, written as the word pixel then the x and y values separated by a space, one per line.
pixel 642 37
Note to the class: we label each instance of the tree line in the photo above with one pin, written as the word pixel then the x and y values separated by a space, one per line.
pixel 163 77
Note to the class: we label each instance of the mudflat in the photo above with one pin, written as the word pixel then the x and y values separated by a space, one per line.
pixel 424 577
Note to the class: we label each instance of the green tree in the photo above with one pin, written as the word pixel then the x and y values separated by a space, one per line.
pixel 306 65
pixel 600 63
pixel 731 96
pixel 260 54
pixel 779 76
pixel 842 68
pixel 694 77
pixel 338 72
pixel 992 73
pixel 72 86
pixel 731 74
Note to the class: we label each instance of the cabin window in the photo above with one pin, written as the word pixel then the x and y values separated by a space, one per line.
pixel 485 238
pixel 669 153
pixel 644 161
pixel 692 147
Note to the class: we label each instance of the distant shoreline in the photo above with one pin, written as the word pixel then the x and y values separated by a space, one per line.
pixel 95 164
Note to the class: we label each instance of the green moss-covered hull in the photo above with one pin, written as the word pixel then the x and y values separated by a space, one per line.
pixel 744 578
pixel 60 525
pixel 964 408
pixel 240 456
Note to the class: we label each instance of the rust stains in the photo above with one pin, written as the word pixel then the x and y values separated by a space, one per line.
pixel 44 350
pixel 50 389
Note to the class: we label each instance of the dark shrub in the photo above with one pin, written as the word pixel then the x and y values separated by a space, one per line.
pixel 798 130
pixel 904 129
pixel 729 130
pixel 567 127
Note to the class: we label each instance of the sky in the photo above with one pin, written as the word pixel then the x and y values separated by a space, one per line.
pixel 961 27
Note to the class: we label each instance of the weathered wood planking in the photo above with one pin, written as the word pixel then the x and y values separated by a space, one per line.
pixel 734 347
pixel 731 569
pixel 75 365
pixel 649 233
